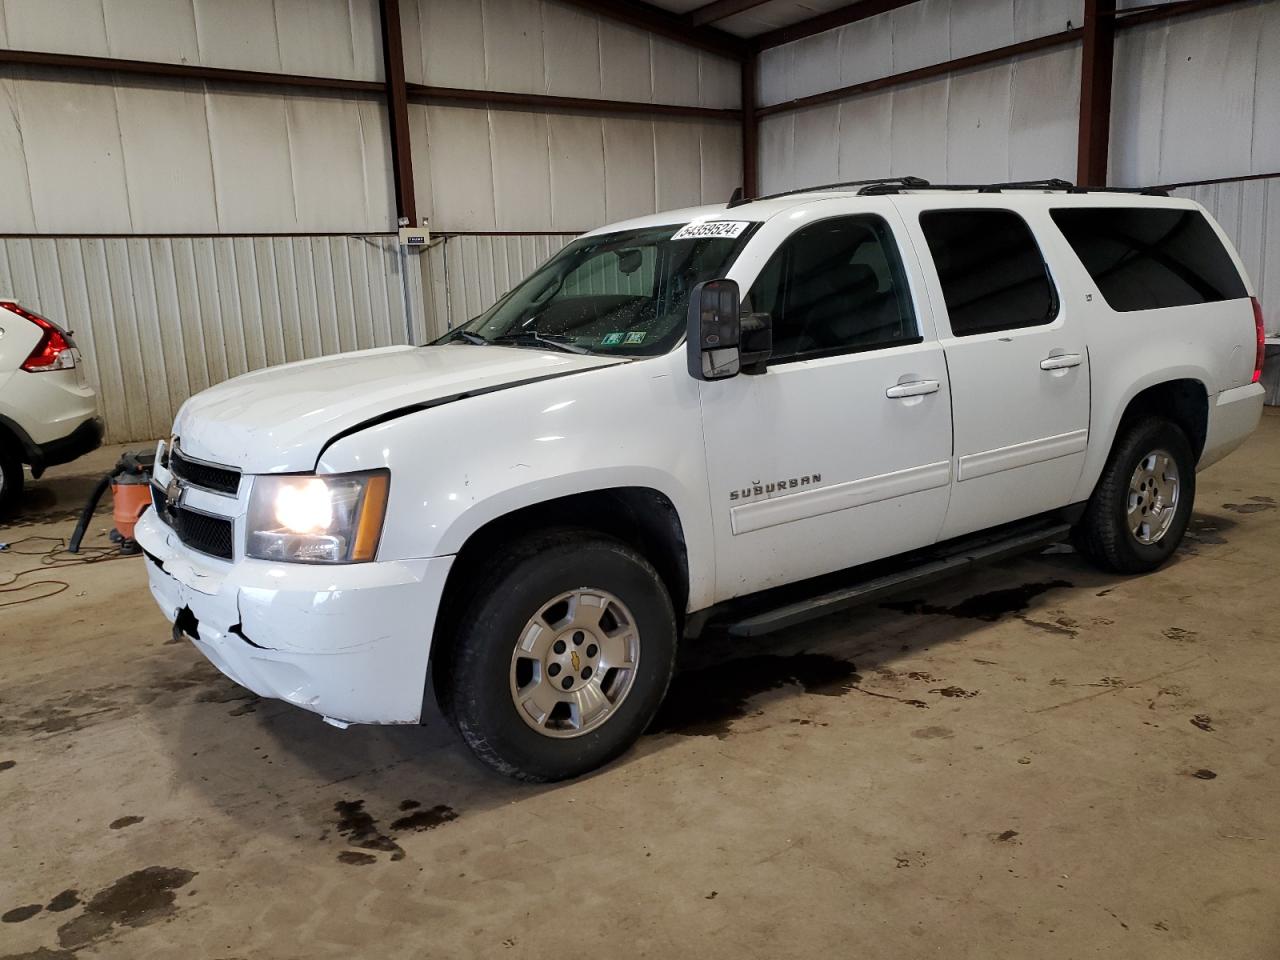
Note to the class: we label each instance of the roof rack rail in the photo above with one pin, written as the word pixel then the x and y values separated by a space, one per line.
pixel 880 188
pixel 895 183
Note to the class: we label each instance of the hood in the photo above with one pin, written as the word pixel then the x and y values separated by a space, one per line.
pixel 279 419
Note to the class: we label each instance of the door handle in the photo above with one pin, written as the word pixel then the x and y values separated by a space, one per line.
pixel 1061 361
pixel 916 388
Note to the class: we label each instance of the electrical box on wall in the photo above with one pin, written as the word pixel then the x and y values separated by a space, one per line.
pixel 414 237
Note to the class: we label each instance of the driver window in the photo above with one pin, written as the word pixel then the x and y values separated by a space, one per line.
pixel 836 286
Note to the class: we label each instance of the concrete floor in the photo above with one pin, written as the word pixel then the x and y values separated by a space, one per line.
pixel 1037 760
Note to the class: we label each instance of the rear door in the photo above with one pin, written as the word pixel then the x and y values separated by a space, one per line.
pixel 1017 359
pixel 840 452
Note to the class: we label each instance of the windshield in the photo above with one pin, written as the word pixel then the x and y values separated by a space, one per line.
pixel 621 293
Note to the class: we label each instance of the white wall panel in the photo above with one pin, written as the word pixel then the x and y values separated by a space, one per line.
pixel 625 64
pixel 543 46
pixel 917 35
pixel 75 164
pixel 521 169
pixel 1196 98
pixel 509 170
pixel 677 163
pixel 67 26
pixel 1043 122
pixel 574 29
pixel 978 125
pixel 630 174
pixel 577 172
pixel 334 38
pixel 168 166
pixel 115 154
pixel 461 168
pixel 160 319
pixel 1006 121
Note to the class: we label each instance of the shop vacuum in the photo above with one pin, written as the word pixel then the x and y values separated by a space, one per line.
pixel 130 483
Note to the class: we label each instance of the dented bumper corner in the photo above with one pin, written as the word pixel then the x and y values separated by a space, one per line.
pixel 349 642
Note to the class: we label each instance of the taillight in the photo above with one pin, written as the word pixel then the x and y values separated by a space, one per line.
pixel 1261 331
pixel 54 349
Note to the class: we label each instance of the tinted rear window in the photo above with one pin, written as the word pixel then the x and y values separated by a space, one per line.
pixel 992 272
pixel 1147 257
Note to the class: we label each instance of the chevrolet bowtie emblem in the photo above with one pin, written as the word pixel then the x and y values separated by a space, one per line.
pixel 577 662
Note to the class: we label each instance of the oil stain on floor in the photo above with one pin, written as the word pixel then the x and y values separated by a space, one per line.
pixel 705 702
pixel 983 606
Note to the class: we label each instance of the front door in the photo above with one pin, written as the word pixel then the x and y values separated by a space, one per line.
pixel 1019 368
pixel 841 452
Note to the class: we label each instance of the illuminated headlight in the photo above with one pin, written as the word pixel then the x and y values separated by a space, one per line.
pixel 317 519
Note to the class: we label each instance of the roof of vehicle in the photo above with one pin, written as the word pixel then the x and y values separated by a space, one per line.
pixel 952 196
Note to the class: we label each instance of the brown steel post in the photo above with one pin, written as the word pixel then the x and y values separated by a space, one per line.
pixel 750 132
pixel 1096 63
pixel 397 111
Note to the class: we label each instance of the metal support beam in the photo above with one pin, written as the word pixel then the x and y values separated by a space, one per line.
pixel 397 112
pixel 186 71
pixel 750 129
pixel 418 93
pixel 925 73
pixel 827 21
pixel 1096 63
pixel 720 10
pixel 667 24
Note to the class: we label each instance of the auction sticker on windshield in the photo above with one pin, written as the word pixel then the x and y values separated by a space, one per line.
pixel 702 229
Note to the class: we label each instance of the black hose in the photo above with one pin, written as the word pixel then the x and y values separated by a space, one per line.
pixel 87 514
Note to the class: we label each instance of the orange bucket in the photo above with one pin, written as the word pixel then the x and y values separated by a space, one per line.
pixel 131 494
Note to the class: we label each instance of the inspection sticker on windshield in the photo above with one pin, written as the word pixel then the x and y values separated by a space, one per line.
pixel 611 339
pixel 702 229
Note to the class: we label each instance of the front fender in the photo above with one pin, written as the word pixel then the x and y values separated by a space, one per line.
pixel 456 467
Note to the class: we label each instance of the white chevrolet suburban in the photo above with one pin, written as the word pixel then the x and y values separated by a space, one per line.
pixel 748 415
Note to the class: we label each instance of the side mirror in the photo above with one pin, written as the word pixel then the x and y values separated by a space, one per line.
pixel 721 343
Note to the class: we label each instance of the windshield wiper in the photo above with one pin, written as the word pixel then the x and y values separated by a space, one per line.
pixel 468 337
pixel 532 338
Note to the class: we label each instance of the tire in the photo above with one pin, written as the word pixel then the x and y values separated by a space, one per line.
pixel 479 678
pixel 1105 533
pixel 11 480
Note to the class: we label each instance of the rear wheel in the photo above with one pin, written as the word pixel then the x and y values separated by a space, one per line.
pixel 1142 503
pixel 11 479
pixel 561 658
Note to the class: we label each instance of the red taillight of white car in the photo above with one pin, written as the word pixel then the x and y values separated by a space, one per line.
pixel 55 349
pixel 1261 330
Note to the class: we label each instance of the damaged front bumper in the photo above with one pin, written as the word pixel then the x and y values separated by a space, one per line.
pixel 348 642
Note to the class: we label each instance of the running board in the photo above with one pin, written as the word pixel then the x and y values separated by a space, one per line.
pixel 964 557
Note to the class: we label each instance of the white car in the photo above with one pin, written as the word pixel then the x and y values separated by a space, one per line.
pixel 709 415
pixel 48 412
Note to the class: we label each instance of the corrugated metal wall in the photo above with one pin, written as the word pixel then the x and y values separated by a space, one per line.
pixel 160 319
pixel 1006 121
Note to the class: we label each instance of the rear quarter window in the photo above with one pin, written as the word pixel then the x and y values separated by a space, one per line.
pixel 1142 258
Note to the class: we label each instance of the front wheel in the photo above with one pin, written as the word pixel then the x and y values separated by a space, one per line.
pixel 1142 503
pixel 562 657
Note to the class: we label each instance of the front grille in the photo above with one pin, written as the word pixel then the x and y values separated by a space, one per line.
pixel 206 475
pixel 200 531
